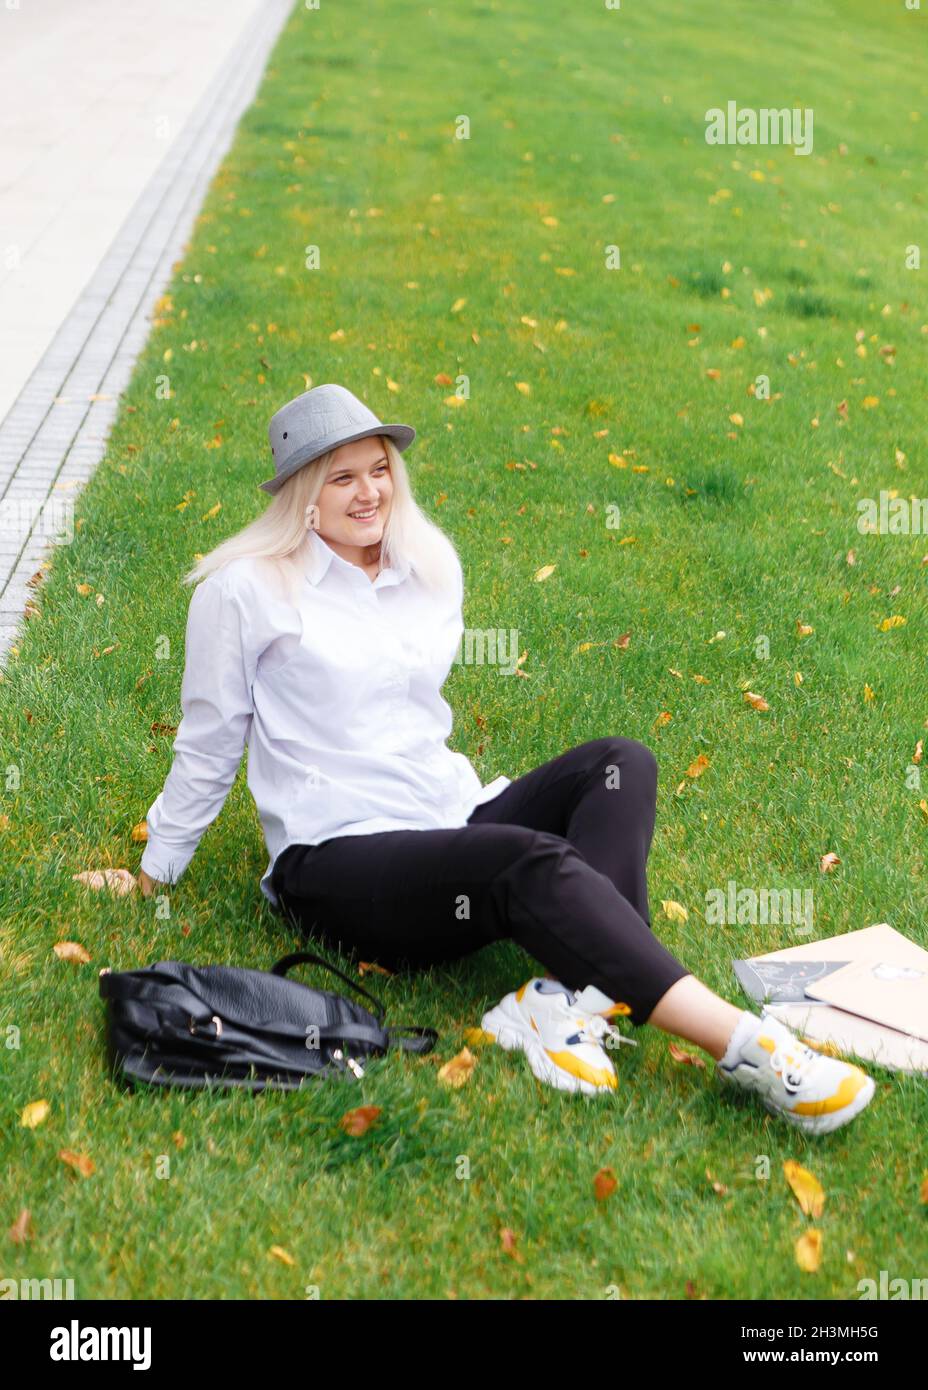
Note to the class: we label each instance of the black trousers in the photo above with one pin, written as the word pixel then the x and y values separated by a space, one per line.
pixel 556 862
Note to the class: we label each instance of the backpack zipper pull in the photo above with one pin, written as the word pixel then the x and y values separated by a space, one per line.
pixel 349 1062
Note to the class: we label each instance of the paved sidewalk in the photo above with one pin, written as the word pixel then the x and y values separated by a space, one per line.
pixel 114 115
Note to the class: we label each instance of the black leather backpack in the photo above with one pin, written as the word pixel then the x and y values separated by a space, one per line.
pixel 172 1024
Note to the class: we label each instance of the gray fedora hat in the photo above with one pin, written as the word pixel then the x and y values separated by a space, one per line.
pixel 320 420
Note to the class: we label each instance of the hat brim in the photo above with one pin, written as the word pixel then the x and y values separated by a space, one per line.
pixel 402 436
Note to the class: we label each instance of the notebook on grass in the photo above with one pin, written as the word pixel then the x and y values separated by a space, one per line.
pixel 849 1034
pixel 885 991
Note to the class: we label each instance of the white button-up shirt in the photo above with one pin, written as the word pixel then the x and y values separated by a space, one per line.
pixel 338 699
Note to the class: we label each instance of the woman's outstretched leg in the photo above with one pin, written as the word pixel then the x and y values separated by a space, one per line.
pixel 692 1011
pixel 431 895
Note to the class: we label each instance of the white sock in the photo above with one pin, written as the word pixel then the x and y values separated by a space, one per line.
pixel 745 1028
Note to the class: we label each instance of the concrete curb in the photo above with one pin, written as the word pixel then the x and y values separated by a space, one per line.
pixel 48 447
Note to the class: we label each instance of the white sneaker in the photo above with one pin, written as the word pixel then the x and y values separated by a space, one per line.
pixel 561 1039
pixel 814 1092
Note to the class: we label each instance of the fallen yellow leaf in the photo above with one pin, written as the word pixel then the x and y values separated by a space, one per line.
pixel 674 911
pixel 459 1070
pixel 680 1054
pixel 120 880
pixel 34 1113
pixel 358 1122
pixel 808 1190
pixel 809 1250
pixel 71 950
pixel 79 1162
pixel 371 967
pixel 477 1037
pixel 21 1229
pixel 507 1239
pixel 698 766
pixel 604 1184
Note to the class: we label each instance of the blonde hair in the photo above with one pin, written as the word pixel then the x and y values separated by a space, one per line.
pixel 278 540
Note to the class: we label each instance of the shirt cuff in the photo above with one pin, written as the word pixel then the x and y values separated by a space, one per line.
pixel 163 862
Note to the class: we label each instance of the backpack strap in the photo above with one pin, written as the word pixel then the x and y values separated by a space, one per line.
pixel 306 957
pixel 423 1041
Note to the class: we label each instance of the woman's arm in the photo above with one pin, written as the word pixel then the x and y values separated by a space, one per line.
pixel 217 709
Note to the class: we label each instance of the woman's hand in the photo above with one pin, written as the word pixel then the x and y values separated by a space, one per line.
pixel 146 883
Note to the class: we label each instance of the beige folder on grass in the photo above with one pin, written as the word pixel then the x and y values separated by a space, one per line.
pixel 884 991
pixel 898 1048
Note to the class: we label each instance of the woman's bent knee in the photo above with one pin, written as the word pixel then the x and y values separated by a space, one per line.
pixel 630 758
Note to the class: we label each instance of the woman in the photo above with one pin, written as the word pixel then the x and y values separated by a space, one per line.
pixel 321 636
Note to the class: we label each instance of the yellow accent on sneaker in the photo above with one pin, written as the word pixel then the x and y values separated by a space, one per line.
pixel 521 990
pixel 575 1066
pixel 843 1096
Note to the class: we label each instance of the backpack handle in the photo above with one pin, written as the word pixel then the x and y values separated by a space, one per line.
pixel 307 958
pixel 422 1039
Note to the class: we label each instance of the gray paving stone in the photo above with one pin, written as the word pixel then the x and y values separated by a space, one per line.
pixel 44 441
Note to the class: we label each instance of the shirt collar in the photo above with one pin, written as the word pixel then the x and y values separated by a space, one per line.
pixel 322 556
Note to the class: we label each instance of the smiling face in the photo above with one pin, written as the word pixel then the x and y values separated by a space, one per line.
pixel 355 500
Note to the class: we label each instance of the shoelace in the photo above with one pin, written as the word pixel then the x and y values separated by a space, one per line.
pixel 799 1058
pixel 593 1028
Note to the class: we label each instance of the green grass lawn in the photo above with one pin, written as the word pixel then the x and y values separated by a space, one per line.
pixel 587 130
